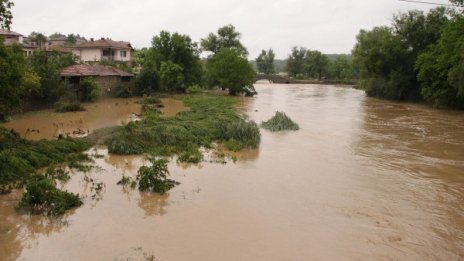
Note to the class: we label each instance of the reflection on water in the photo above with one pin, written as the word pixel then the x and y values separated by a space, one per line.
pixel 153 204
pixel 363 179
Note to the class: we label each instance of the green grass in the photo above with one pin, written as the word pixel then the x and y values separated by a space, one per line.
pixel 209 119
pixel 280 122
pixel 20 159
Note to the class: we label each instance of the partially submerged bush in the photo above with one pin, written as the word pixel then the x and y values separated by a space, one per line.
pixel 19 158
pixel 42 196
pixel 68 107
pixel 239 134
pixel 124 92
pixel 91 88
pixel 194 89
pixel 155 177
pixel 280 122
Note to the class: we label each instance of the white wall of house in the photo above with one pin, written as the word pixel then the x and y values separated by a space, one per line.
pixel 119 56
pixel 88 55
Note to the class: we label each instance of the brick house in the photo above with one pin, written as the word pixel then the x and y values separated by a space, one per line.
pixel 110 79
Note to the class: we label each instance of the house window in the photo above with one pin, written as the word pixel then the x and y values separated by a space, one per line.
pixel 123 54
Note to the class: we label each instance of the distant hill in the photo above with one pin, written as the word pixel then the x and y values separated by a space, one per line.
pixel 281 64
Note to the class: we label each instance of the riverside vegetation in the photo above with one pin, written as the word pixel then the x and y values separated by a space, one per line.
pixel 280 122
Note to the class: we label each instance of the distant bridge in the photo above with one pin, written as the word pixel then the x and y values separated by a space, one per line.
pixel 275 78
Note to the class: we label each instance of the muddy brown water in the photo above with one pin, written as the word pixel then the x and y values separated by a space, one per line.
pixel 48 124
pixel 363 179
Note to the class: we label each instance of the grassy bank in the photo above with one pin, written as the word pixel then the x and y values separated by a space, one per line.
pixel 209 119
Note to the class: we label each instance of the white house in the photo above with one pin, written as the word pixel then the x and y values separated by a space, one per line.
pixel 103 49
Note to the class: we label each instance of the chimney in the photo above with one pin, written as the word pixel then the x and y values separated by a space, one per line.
pixel 91 39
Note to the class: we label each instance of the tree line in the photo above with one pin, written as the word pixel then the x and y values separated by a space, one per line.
pixel 303 63
pixel 420 57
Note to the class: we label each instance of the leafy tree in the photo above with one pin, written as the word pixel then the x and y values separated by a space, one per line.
pixel 226 37
pixel 56 36
pixel 387 56
pixel 174 48
pixel 48 66
pixel 441 67
pixel 232 72
pixel 265 62
pixel 341 69
pixel 39 38
pixel 295 62
pixel 5 13
pixel 12 69
pixel 315 64
pixel 172 77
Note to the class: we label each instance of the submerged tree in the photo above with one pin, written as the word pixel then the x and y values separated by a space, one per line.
pixel 12 69
pixel 265 62
pixel 5 13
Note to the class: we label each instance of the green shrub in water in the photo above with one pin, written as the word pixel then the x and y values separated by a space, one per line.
pixel 154 178
pixel 280 122
pixel 42 196
pixel 69 107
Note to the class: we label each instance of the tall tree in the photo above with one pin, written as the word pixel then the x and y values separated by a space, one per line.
pixel 295 62
pixel 226 37
pixel 315 64
pixel 387 56
pixel 12 70
pixel 233 72
pixel 265 62
pixel 441 67
pixel 5 13
pixel 38 38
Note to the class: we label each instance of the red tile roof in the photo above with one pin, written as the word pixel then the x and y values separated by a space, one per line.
pixel 93 70
pixel 103 43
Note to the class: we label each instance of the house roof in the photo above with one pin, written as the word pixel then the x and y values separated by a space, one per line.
pixel 93 70
pixel 8 32
pixel 103 43
pixel 58 48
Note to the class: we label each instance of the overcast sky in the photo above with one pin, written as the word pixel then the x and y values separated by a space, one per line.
pixel 328 26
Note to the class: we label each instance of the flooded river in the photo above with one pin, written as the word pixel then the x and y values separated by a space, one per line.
pixel 363 179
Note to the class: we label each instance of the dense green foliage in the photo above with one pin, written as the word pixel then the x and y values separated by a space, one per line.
pixel 265 62
pixel 154 178
pixel 386 56
pixel 441 67
pixel 171 64
pixel 91 89
pixel 303 63
pixel 226 37
pixel 209 119
pixel 68 107
pixel 233 72
pixel 5 13
pixel 42 196
pixel 48 66
pixel 19 158
pixel 280 122
pixel 12 70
